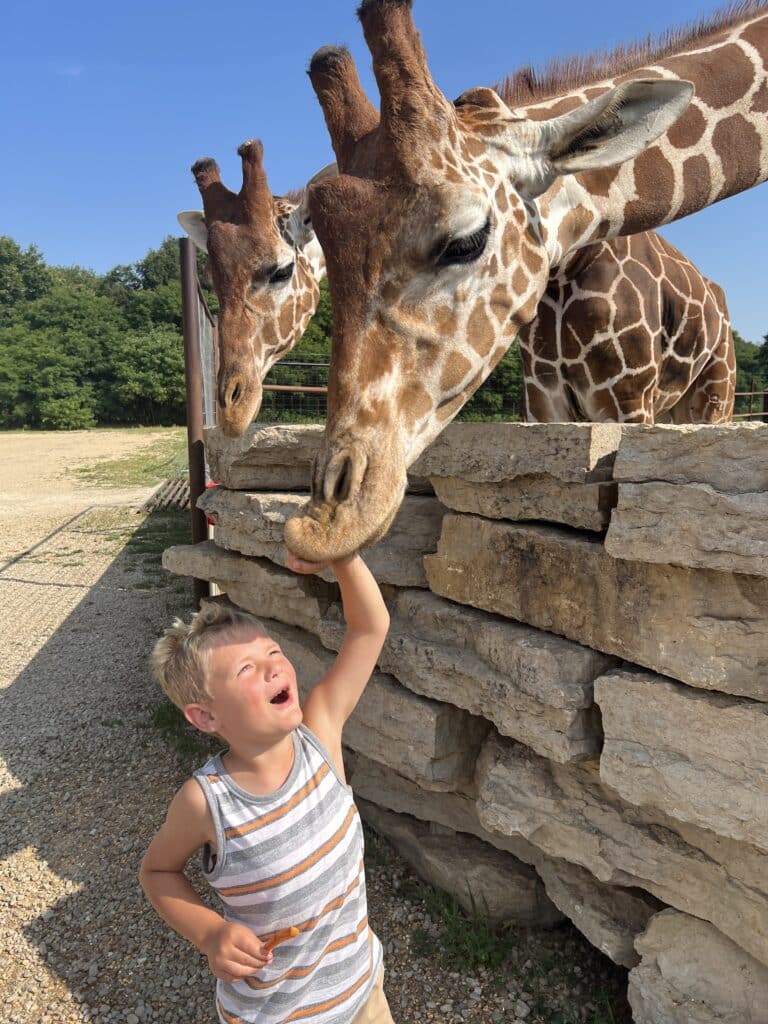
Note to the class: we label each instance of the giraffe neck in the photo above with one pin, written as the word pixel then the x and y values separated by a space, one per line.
pixel 717 148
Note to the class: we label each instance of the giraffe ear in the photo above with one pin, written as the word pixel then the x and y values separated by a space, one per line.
pixel 193 222
pixel 301 221
pixel 615 127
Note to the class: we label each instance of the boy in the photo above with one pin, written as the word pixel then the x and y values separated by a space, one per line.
pixel 280 835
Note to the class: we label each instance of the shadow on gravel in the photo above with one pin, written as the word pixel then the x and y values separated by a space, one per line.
pixel 94 778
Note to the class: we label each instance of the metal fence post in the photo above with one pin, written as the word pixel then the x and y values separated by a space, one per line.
pixel 193 378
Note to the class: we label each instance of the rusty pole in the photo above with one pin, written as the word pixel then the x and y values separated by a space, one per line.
pixel 193 377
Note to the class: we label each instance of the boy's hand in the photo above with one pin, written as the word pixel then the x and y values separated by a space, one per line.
pixel 301 565
pixel 234 952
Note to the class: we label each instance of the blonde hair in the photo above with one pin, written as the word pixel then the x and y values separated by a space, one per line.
pixel 181 658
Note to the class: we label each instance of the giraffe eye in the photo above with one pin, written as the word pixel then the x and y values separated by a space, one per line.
pixel 282 273
pixel 467 249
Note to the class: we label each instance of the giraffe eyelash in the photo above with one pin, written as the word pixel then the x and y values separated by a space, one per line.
pixel 467 249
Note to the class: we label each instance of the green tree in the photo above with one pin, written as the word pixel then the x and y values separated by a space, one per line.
pixel 145 378
pixel 499 397
pixel 23 275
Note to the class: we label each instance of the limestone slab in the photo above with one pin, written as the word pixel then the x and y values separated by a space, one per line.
pixel 483 880
pixel 266 457
pixel 609 916
pixel 255 584
pixel 728 457
pixel 691 974
pixel 272 457
pixel 429 742
pixel 706 628
pixel 691 524
pixel 535 687
pixel 252 523
pixel 483 452
pixel 698 757
pixel 585 506
pixel 568 813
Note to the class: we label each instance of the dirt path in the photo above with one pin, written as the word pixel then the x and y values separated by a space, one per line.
pixel 78 751
pixel 41 488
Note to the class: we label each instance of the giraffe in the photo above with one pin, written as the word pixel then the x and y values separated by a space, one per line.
pixel 266 265
pixel 446 221
pixel 663 312
pixel 635 312
pixel 664 315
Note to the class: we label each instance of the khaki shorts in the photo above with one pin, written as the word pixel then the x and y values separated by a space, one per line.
pixel 376 1009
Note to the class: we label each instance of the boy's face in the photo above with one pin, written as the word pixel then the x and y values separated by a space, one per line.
pixel 254 697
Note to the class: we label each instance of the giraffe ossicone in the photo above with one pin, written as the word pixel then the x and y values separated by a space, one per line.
pixel 445 223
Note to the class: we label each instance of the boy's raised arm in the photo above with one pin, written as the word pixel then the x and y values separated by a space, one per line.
pixel 334 697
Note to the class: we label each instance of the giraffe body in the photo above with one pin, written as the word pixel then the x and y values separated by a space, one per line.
pixel 629 330
pixel 447 220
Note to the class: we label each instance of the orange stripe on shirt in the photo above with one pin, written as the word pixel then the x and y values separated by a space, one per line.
pixel 294 872
pixel 309 1011
pixel 334 904
pixel 230 1018
pixel 243 830
pixel 302 972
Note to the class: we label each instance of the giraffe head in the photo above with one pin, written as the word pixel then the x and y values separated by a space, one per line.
pixel 437 252
pixel 265 264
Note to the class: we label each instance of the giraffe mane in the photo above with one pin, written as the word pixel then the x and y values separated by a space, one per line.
pixel 293 195
pixel 564 74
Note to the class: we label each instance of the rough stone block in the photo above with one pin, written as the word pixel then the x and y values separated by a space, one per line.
pixel 729 457
pixel 255 584
pixel 691 524
pixel 483 452
pixel 541 497
pixel 533 686
pixel 706 628
pixel 609 916
pixel 252 523
pixel 566 812
pixel 483 880
pixel 698 757
pixel 691 974
pixel 268 457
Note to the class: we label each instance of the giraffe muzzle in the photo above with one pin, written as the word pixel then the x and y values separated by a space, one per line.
pixel 239 401
pixel 356 493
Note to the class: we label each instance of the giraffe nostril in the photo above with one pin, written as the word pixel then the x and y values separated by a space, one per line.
pixel 340 478
pixel 234 397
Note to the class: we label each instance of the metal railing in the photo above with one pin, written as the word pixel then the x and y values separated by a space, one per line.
pixel 757 407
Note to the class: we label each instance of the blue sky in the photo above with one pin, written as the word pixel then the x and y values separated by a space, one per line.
pixel 105 106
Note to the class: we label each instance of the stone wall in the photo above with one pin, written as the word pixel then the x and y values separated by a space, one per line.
pixel 571 712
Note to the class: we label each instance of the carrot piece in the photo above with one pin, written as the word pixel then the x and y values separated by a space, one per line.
pixel 282 936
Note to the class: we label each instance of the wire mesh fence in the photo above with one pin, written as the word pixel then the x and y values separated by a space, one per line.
pixel 295 393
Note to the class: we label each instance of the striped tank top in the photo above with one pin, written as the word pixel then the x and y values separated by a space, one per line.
pixel 294 857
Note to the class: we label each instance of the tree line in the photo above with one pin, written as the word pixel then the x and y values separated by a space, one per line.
pixel 79 349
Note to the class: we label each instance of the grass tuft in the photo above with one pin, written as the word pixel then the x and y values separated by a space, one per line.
pixel 150 464
pixel 462 941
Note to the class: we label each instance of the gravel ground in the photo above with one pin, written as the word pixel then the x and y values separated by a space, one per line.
pixel 85 777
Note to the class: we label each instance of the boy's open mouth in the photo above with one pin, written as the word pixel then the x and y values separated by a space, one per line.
pixel 281 698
